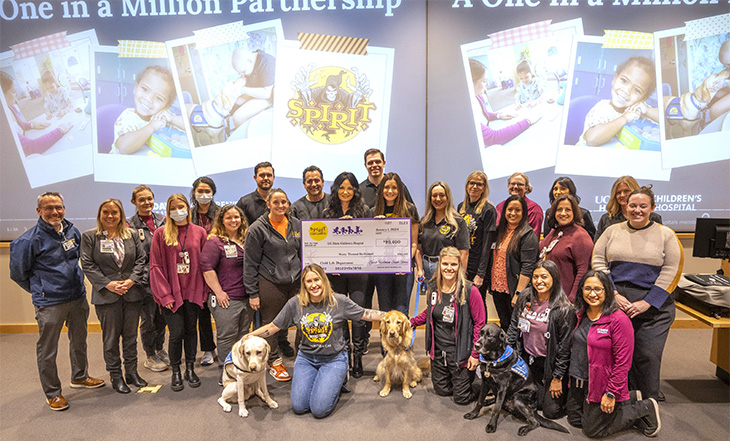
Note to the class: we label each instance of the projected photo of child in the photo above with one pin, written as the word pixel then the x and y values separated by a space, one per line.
pixel 612 115
pixel 516 92
pixel 229 90
pixel 46 97
pixel 695 90
pixel 138 123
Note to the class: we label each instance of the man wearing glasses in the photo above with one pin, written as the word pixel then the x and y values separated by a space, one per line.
pixel 45 262
pixel 519 185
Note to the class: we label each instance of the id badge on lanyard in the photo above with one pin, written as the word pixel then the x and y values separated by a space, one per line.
pixel 106 246
pixel 184 268
pixel 231 251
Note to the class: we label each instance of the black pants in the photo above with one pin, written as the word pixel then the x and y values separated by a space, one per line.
pixel 152 326
pixel 576 397
pixel 597 424
pixel 503 305
pixel 650 335
pixel 205 329
pixel 552 408
pixel 119 320
pixel 182 325
pixel 354 285
pixel 273 297
pixel 449 379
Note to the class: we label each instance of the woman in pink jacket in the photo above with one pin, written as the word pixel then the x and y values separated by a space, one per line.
pixel 178 286
pixel 603 344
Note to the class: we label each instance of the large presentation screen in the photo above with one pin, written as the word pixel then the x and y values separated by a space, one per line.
pixel 101 96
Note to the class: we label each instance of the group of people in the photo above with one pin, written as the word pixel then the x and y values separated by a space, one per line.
pixel 589 319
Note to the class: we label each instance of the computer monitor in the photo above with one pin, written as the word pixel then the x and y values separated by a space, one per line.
pixel 712 238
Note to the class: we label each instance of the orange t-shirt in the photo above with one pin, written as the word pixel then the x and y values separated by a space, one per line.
pixel 280 226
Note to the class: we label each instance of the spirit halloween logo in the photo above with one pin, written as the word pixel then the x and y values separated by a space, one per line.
pixel 332 104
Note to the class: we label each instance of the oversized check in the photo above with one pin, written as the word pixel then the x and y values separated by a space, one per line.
pixel 358 245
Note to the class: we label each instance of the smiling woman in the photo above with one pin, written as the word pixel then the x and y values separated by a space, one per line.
pixel 645 262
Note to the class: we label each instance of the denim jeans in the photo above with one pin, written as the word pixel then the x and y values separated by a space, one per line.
pixel 316 383
pixel 429 268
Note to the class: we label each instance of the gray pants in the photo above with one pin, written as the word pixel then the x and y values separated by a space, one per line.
pixel 231 324
pixel 50 322
pixel 119 320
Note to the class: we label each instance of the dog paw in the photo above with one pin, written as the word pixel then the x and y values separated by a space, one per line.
pixel 272 404
pixel 491 428
pixel 243 413
pixel 524 430
pixel 376 379
pixel 384 392
pixel 226 407
pixel 407 394
pixel 471 415
pixel 413 384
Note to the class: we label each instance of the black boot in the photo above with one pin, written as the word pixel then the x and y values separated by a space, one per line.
pixel 176 383
pixel 190 377
pixel 119 385
pixel 356 366
pixel 134 378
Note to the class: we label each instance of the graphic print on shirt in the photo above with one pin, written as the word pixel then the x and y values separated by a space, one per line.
pixel 316 326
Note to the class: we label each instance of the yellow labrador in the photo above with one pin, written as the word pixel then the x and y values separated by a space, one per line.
pixel 399 365
pixel 244 374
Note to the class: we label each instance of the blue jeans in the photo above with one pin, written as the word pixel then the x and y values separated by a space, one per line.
pixel 316 383
pixel 429 268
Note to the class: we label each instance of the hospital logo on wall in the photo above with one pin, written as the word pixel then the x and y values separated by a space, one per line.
pixel 332 104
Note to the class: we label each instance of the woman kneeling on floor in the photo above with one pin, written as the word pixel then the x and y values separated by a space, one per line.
pixel 321 365
pixel 603 343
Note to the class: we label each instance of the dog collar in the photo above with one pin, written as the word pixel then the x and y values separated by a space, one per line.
pixel 507 352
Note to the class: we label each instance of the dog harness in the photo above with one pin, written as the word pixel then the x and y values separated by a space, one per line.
pixel 674 109
pixel 519 367
pixel 229 360
pixel 197 116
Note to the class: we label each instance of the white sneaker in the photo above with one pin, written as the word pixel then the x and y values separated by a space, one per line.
pixel 163 356
pixel 208 358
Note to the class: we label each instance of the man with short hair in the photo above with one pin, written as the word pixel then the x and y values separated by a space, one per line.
pixel 254 203
pixel 312 204
pixel 45 262
pixel 519 184
pixel 375 164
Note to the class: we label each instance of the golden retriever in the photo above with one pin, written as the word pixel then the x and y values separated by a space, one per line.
pixel 399 365
pixel 244 374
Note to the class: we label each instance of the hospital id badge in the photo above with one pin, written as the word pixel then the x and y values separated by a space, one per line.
pixel 68 244
pixel 106 246
pixel 230 250
pixel 448 314
pixel 141 234
pixel 524 325
pixel 183 268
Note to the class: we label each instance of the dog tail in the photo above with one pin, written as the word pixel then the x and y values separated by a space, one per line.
pixel 549 424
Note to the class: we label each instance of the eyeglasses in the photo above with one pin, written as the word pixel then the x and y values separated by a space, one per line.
pixel 475 184
pixel 515 184
pixel 598 290
pixel 53 208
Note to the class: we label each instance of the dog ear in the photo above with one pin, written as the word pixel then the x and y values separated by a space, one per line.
pixel 267 349
pixel 241 352
pixel 382 326
pixel 406 327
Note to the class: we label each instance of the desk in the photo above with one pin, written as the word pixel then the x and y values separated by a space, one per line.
pixel 78 136
pixel 720 350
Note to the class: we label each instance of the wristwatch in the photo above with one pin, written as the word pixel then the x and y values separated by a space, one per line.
pixel 611 395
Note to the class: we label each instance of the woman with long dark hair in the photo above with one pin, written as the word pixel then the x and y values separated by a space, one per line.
pixel 565 185
pixel 391 202
pixel 512 254
pixel 346 202
pixel 542 323
pixel 602 345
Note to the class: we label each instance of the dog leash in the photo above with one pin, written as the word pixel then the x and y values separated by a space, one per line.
pixel 257 317
pixel 415 312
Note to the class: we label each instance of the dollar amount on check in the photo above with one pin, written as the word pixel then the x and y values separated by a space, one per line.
pixel 358 245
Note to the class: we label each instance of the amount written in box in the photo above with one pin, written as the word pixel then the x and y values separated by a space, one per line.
pixel 391 242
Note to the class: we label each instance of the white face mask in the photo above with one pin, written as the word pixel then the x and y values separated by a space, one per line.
pixel 179 215
pixel 204 198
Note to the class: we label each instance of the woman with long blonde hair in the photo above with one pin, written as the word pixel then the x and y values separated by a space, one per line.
pixel 453 316
pixel 321 316
pixel 440 227
pixel 617 207
pixel 177 285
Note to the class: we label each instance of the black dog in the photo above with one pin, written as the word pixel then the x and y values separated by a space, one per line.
pixel 506 373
